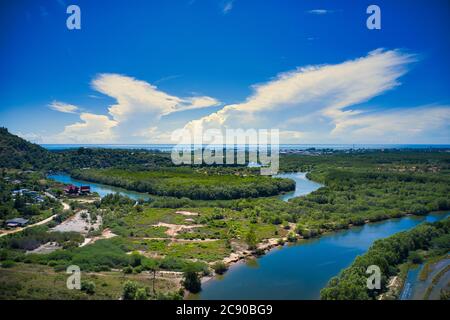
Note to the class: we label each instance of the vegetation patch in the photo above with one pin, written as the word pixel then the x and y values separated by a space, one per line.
pixel 189 183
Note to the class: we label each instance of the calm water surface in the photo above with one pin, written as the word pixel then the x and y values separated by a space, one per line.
pixel 300 271
pixel 303 185
pixel 101 189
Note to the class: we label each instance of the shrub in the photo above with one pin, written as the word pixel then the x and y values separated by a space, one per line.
pixel 88 287
pixel 141 294
pixel 291 237
pixel 220 267
pixel 259 252
pixel 138 269
pixel 128 270
pixel 415 257
pixel 8 264
pixel 129 290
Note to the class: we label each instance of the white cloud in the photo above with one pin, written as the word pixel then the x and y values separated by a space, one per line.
pixel 314 92
pixel 397 125
pixel 136 97
pixel 318 104
pixel 137 112
pixel 320 11
pixel 93 128
pixel 63 107
pixel 228 6
pixel 313 104
pixel 200 102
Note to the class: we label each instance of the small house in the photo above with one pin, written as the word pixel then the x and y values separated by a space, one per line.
pixel 71 189
pixel 85 189
pixel 16 222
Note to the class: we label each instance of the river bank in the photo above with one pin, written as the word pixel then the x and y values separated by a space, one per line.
pixel 241 258
pixel 301 270
pixel 101 189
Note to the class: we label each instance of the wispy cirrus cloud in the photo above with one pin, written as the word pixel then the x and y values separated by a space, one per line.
pixel 167 78
pixel 397 125
pixel 63 107
pixel 320 11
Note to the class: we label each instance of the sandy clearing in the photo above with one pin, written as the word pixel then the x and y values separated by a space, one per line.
pixel 187 213
pixel 65 205
pixel 174 229
pixel 77 224
pixel 106 234
pixel 45 248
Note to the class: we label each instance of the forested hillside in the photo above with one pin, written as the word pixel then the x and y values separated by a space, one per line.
pixel 16 152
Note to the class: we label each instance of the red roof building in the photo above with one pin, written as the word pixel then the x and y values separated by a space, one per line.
pixel 71 189
pixel 85 189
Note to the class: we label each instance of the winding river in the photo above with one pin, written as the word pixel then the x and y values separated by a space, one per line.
pixel 303 185
pixel 101 189
pixel 293 272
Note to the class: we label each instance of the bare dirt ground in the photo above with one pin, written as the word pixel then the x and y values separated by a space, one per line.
pixel 187 213
pixel 77 224
pixel 174 229
pixel 45 248
pixel 106 234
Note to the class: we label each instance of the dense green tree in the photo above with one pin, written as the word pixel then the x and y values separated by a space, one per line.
pixel 192 282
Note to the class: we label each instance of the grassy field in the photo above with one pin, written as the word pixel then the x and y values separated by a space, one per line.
pixel 31 281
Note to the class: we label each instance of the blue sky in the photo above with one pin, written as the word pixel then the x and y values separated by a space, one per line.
pixel 137 70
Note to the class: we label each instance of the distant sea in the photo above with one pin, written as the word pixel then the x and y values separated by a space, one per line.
pixel 283 147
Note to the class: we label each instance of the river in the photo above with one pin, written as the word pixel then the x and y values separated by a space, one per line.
pixel 303 185
pixel 101 189
pixel 294 272
pixel 300 271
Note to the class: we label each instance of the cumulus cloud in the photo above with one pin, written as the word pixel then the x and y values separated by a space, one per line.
pixel 313 94
pixel 136 97
pixel 63 107
pixel 138 109
pixel 312 104
pixel 93 128
pixel 320 103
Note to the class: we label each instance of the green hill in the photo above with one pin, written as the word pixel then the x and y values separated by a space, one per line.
pixel 16 152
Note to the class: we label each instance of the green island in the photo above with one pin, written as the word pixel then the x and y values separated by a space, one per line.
pixel 201 183
pixel 199 220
